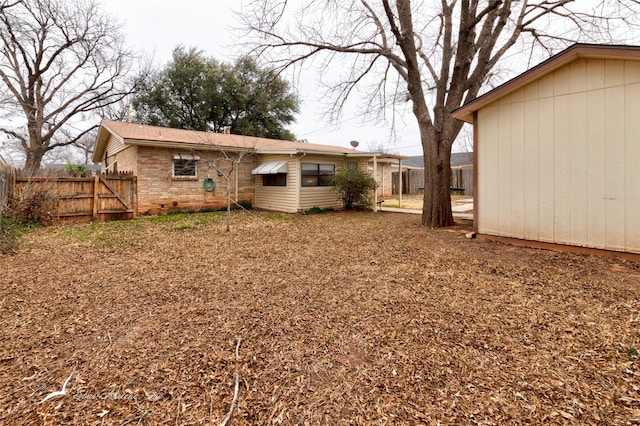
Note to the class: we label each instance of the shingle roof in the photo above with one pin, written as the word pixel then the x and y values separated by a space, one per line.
pixel 457 159
pixel 139 134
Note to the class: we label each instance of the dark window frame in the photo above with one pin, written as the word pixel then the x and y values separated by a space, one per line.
pixel 313 174
pixel 188 169
pixel 277 179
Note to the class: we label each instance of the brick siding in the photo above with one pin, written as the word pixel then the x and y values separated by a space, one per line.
pixel 159 191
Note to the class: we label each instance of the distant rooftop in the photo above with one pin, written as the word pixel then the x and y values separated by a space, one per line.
pixel 457 159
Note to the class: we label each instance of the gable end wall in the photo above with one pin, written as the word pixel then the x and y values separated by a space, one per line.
pixel 558 159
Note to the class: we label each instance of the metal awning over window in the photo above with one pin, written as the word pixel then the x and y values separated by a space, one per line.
pixel 271 168
pixel 186 157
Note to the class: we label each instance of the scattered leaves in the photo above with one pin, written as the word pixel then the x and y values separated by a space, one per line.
pixel 363 318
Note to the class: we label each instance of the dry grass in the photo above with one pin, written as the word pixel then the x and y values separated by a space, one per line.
pixel 344 318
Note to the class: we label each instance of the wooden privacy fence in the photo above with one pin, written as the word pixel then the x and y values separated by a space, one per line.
pixel 5 182
pixel 462 177
pixel 83 199
pixel 413 180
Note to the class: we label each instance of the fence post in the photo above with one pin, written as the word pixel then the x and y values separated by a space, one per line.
pixel 12 183
pixel 96 199
pixel 134 195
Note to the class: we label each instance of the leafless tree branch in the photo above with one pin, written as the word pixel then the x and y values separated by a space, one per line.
pixel 61 62
pixel 443 52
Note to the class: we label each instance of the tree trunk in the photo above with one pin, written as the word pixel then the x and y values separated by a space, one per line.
pixel 436 208
pixel 33 161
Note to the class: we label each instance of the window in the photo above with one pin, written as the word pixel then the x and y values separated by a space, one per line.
pixel 352 165
pixel 317 174
pixel 279 179
pixel 184 166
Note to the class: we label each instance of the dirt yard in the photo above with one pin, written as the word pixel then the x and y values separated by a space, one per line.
pixel 330 319
pixel 414 201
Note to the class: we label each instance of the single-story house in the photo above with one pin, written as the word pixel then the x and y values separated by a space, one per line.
pixel 190 170
pixel 557 151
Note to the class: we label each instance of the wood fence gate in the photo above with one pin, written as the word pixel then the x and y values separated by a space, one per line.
pixel 412 182
pixel 84 199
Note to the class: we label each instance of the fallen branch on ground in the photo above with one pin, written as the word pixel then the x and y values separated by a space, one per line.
pixel 236 389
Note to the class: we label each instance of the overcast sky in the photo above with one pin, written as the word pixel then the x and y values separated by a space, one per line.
pixel 157 27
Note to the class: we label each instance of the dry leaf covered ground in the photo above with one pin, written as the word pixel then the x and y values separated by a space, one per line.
pixel 342 318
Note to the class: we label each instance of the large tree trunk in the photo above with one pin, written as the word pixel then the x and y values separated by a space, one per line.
pixel 33 160
pixel 436 209
pixel 437 151
pixel 37 146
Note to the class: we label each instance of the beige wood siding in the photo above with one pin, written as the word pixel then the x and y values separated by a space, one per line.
pixel 558 160
pixel 114 146
pixel 280 198
pixel 320 196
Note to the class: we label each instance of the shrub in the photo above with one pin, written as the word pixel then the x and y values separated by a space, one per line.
pixel 315 210
pixel 34 203
pixel 354 188
pixel 78 170
pixel 8 236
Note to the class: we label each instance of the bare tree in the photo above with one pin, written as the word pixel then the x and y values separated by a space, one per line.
pixel 86 145
pixel 5 4
pixel 60 62
pixel 438 54
pixel 225 164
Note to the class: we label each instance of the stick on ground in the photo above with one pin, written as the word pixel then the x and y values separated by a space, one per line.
pixel 236 389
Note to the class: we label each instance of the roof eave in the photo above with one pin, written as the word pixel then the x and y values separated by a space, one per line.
pixel 186 145
pixel 101 142
pixel 577 51
pixel 292 151
pixel 384 155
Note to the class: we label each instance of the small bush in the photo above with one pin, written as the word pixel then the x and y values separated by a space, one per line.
pixel 354 188
pixel 78 170
pixel 315 210
pixel 35 203
pixel 8 236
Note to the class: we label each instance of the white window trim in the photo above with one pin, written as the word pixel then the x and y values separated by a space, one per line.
pixel 195 168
